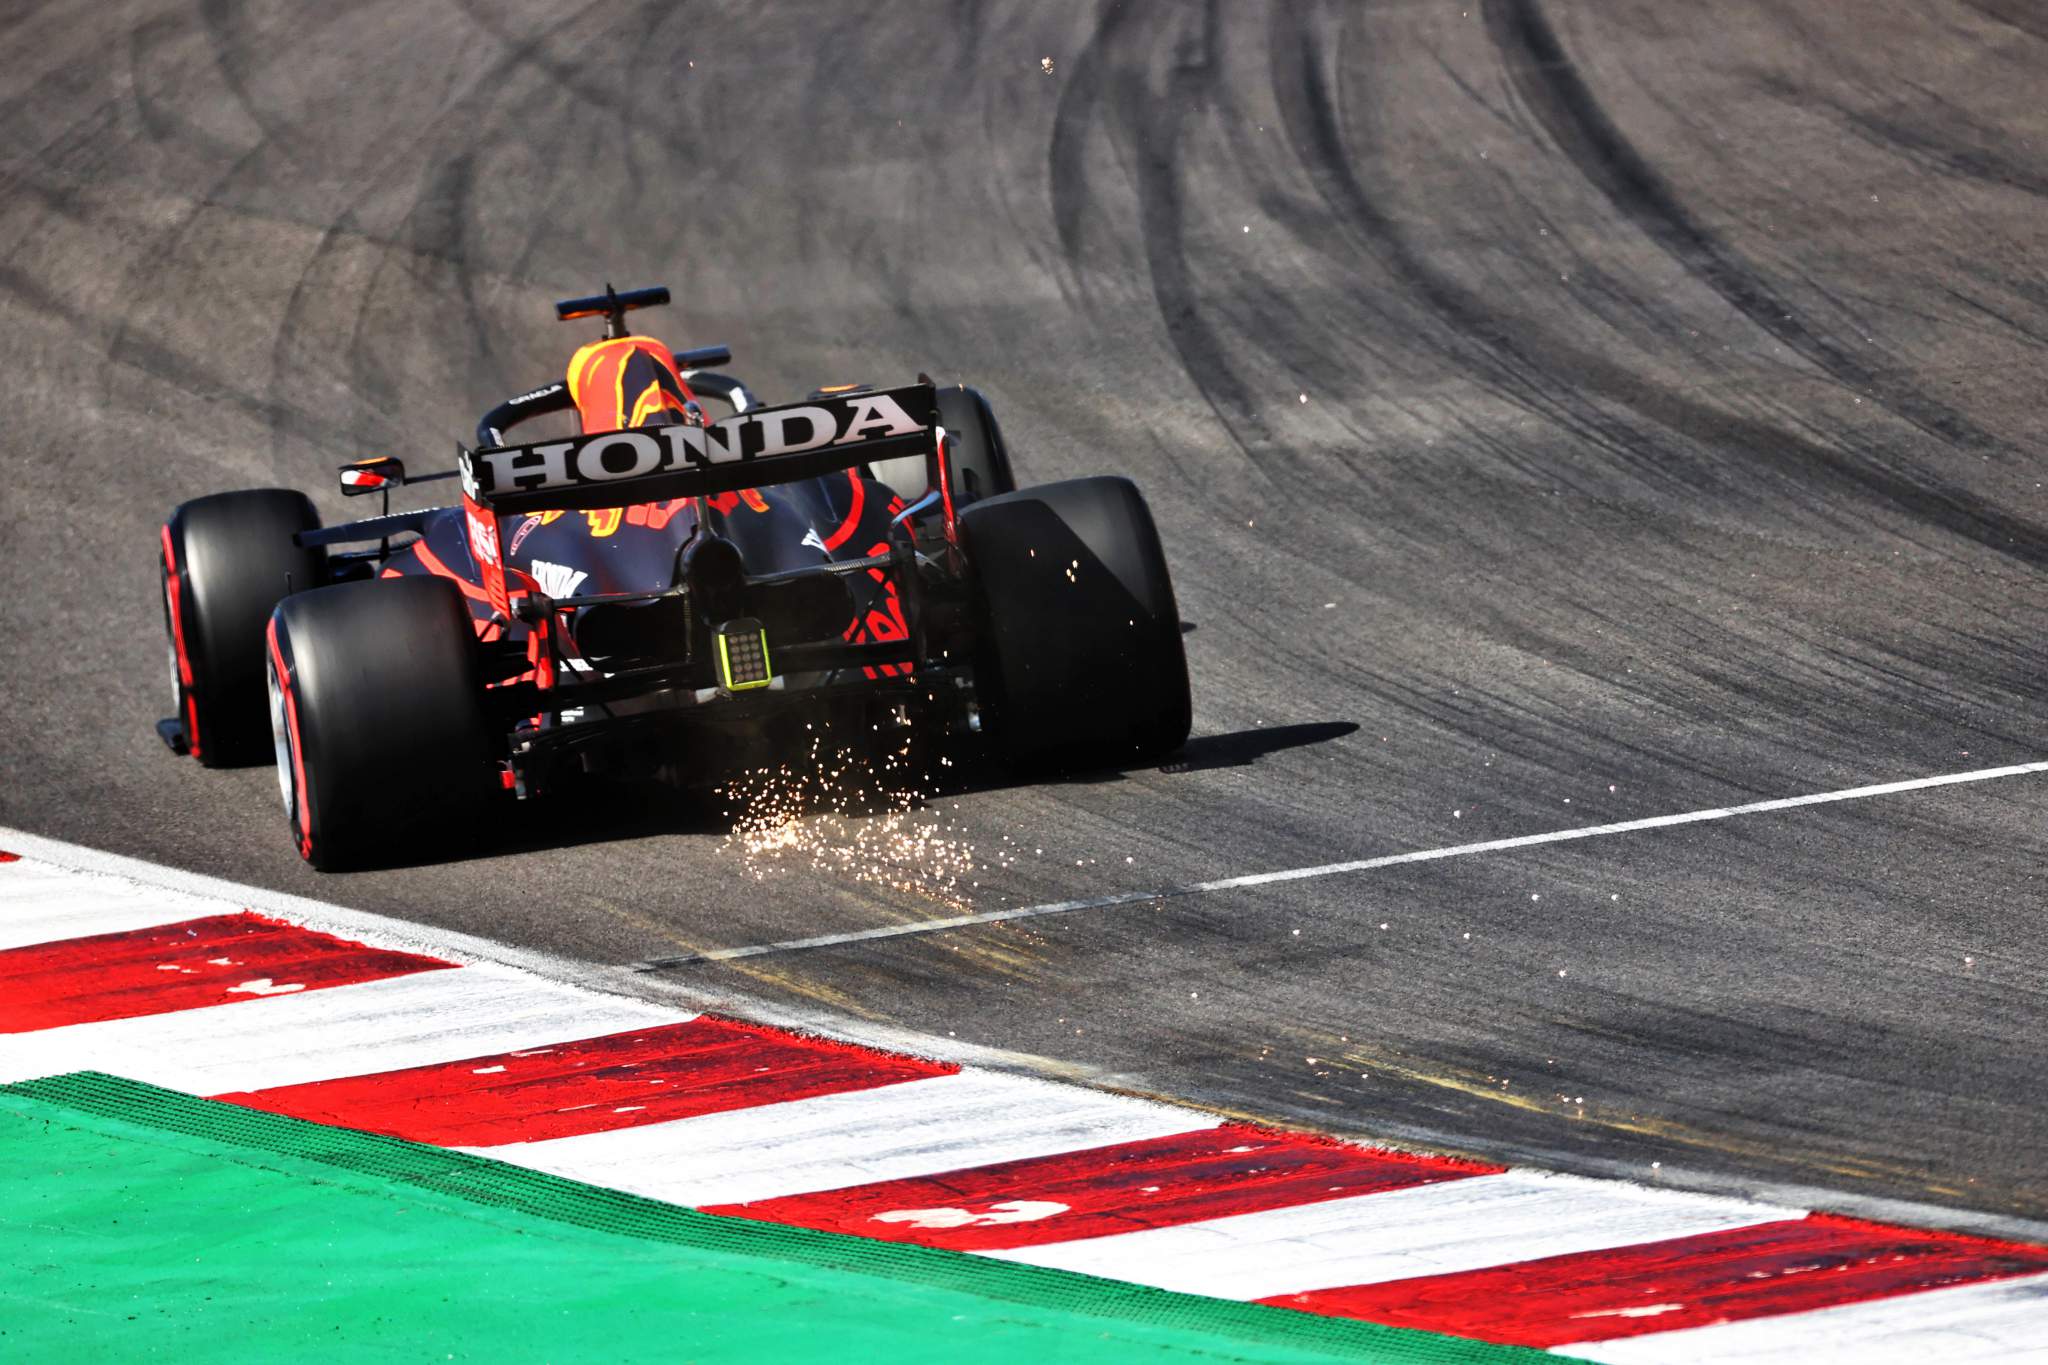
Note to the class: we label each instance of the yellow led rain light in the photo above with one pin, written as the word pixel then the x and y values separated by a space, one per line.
pixel 743 655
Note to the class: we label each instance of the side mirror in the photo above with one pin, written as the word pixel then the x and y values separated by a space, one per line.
pixel 377 474
pixel 703 355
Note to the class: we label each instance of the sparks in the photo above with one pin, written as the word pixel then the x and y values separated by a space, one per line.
pixel 848 819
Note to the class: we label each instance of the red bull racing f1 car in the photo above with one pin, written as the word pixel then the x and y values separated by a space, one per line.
pixel 666 594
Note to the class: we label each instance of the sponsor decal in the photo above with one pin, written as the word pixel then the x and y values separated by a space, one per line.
pixel 995 1215
pixel 483 537
pixel 603 521
pixel 725 504
pixel 556 580
pixel 655 516
pixel 527 528
pixel 482 525
pixel 609 456
pixel 884 622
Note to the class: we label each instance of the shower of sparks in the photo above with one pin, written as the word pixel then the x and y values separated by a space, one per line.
pixel 853 818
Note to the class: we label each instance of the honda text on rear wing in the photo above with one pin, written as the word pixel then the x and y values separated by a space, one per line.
pixel 751 449
pixel 682 460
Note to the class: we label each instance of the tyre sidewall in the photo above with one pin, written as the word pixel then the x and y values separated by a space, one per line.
pixel 981 462
pixel 385 734
pixel 1080 660
pixel 226 561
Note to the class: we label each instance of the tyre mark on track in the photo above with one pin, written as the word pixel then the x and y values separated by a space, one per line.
pixel 1548 375
pixel 236 51
pixel 1551 86
pixel 161 119
pixel 2024 15
pixel 1482 341
pixel 440 226
pixel 1980 162
pixel 1110 73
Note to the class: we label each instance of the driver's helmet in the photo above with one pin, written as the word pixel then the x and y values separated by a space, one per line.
pixel 627 382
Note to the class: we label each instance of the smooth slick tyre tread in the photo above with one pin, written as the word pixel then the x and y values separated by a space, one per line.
pixel 1081 663
pixel 226 560
pixel 383 746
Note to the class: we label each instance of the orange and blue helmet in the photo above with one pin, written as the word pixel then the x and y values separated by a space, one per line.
pixel 629 381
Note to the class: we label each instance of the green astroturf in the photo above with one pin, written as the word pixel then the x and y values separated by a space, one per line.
pixel 139 1223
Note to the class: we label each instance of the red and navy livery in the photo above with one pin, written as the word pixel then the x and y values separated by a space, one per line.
pixel 664 593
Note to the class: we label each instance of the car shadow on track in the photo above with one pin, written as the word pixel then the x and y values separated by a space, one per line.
pixel 604 812
pixel 592 813
pixel 1242 748
pixel 1202 753
pixel 598 812
pixel 584 814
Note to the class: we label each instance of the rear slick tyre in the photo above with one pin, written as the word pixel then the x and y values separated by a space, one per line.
pixel 1080 661
pixel 377 720
pixel 224 561
pixel 981 462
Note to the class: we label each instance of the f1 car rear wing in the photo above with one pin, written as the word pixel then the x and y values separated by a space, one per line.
pixel 750 449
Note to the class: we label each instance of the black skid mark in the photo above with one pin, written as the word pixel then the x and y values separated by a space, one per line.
pixel 1111 75
pixel 1481 342
pixel 236 51
pixel 440 232
pixel 1551 86
pixel 2028 16
pixel 1548 375
pixel 1981 160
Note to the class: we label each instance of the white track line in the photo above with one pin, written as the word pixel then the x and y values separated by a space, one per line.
pixel 912 1128
pixel 2005 1321
pixel 1296 874
pixel 1454 1226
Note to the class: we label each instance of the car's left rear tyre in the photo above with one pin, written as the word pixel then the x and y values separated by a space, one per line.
pixel 377 719
pixel 224 561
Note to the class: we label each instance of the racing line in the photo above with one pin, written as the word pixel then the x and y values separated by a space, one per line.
pixel 1337 869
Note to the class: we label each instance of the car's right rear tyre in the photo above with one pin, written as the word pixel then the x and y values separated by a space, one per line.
pixel 981 462
pixel 377 719
pixel 1080 661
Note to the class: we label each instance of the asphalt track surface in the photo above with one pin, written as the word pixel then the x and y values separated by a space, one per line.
pixel 1556 414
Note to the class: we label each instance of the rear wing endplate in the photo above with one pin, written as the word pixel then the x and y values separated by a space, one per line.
pixel 748 450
